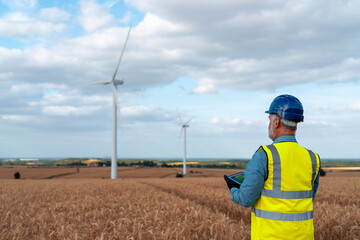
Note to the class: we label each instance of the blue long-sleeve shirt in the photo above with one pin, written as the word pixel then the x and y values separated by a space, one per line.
pixel 256 174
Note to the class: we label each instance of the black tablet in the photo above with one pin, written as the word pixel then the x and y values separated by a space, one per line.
pixel 238 177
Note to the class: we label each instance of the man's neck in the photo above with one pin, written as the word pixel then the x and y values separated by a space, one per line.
pixel 283 132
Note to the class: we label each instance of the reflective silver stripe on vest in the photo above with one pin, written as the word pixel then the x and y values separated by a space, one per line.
pixel 286 194
pixel 276 167
pixel 314 165
pixel 283 216
pixel 276 192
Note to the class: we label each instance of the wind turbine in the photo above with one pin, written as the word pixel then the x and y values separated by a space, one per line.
pixel 183 129
pixel 116 108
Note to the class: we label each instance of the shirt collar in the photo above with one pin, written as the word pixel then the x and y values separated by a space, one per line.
pixel 287 138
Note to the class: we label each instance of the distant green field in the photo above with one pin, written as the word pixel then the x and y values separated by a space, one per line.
pixel 339 163
pixel 240 164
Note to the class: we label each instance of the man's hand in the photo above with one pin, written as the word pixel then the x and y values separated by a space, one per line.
pixel 231 184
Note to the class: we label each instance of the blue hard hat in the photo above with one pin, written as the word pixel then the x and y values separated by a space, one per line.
pixel 287 107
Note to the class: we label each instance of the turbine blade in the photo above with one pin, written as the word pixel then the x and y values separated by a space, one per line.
pixel 121 55
pixel 94 84
pixel 182 122
pixel 188 121
pixel 117 104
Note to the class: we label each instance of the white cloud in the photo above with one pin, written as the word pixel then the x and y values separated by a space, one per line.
pixel 258 46
pixel 167 49
pixel 6 53
pixel 69 97
pixel 69 110
pixel 147 113
pixel 206 85
pixel 17 118
pixel 153 25
pixel 355 106
pixel 94 16
pixel 319 123
pixel 321 108
pixel 17 17
pixel 54 86
pixel 54 14
pixel 30 28
pixel 207 88
pixel 233 122
pixel 242 66
pixel 227 121
pixel 97 99
pixel 23 89
pixel 169 44
pixel 7 75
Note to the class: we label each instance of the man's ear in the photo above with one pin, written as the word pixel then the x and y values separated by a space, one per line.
pixel 277 122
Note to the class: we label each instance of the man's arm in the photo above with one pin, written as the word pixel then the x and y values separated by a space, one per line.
pixel 316 185
pixel 255 176
pixel 317 180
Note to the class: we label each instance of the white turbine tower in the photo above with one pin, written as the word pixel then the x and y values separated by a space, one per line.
pixel 116 108
pixel 183 129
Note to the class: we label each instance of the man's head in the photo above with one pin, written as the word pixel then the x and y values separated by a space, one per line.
pixel 285 112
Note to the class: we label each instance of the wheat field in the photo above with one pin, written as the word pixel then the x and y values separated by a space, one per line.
pixel 156 208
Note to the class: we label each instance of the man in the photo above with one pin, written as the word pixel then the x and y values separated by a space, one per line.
pixel 281 179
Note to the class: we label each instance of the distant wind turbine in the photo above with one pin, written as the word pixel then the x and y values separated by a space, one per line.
pixel 183 129
pixel 116 108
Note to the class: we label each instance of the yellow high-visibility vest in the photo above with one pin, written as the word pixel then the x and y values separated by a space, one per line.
pixel 285 207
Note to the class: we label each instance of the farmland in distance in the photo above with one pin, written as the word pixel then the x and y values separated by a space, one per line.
pixel 150 203
pixel 26 172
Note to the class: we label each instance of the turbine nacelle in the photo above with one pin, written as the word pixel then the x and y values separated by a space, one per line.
pixel 118 82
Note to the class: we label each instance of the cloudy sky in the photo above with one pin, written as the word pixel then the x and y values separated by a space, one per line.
pixel 220 63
